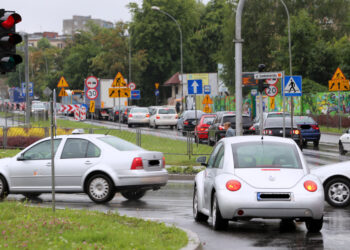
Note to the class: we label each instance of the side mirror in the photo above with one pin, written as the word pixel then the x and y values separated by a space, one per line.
pixel 202 160
pixel 20 158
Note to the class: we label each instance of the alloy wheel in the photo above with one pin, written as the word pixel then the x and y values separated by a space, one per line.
pixel 99 188
pixel 338 192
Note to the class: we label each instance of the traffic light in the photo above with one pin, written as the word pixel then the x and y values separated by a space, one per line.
pixel 8 40
pixel 262 85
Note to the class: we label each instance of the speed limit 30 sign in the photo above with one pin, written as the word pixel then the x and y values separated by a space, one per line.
pixel 271 91
pixel 92 94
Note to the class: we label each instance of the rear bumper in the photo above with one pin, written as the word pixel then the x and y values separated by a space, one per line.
pixel 138 121
pixel 165 122
pixel 142 178
pixel 311 136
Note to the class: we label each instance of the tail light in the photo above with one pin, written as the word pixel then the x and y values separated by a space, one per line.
pixel 267 132
pixel 295 132
pixel 126 112
pixel 147 115
pixel 137 163
pixel 157 117
pixel 315 127
pixel 252 128
pixel 130 115
pixel 163 161
pixel 202 129
pixel 176 117
pixel 221 128
pixel 310 186
pixel 186 122
pixel 233 185
pixel 117 112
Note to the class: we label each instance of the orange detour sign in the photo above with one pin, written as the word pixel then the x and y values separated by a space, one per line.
pixel 338 82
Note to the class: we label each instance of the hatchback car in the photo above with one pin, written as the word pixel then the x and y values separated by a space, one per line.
pixel 257 177
pixel 188 120
pixel 201 130
pixel 309 129
pixel 163 116
pixel 138 116
pixel 99 165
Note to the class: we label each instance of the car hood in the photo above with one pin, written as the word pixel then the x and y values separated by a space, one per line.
pixel 341 168
pixel 4 161
pixel 270 177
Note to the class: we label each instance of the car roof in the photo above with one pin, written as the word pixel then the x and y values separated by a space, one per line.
pixel 256 138
pixel 87 136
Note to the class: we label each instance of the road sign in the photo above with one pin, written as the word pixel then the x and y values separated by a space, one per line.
pixel 62 83
pixel 31 87
pixel 268 75
pixel 207 100
pixel 156 85
pixel 292 86
pixel 92 94
pixel 271 81
pixel 92 107
pixel 118 92
pixel 338 82
pixel 195 87
pixel 91 82
pixel 207 89
pixel 248 79
pixel 271 91
pixel 132 86
pixel 207 109
pixel 119 81
pixel 47 91
pixel 135 95
pixel 63 92
pixel 254 92
pixel 156 92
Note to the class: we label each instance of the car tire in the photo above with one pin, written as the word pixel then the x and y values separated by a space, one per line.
pixel 314 225
pixel 155 126
pixel 133 195
pixel 304 143
pixel 316 143
pixel 341 148
pixel 184 133
pixel 100 188
pixel 332 192
pixel 3 188
pixel 218 222
pixel 172 127
pixel 31 196
pixel 129 125
pixel 198 216
pixel 217 138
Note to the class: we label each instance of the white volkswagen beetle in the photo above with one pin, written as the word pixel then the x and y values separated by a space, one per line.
pixel 257 177
pixel 99 165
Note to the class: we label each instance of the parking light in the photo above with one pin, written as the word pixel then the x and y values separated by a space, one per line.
pixel 233 185
pixel 310 186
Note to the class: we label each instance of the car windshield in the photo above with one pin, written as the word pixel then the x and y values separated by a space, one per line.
pixel 119 144
pixel 139 110
pixel 278 123
pixel 166 111
pixel 265 154
pixel 208 119
pixel 304 119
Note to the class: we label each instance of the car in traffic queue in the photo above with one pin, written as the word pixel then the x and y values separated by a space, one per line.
pixel 309 129
pixel 138 116
pixel 257 177
pixel 163 116
pixel 113 114
pixel 255 128
pixel 344 142
pixel 125 114
pixel 188 121
pixel 216 130
pixel 96 164
pixel 201 130
pixel 274 127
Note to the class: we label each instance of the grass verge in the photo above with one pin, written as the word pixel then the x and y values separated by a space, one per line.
pixel 39 228
pixel 331 130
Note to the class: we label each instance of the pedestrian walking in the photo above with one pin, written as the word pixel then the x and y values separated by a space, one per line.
pixel 177 106
pixel 229 131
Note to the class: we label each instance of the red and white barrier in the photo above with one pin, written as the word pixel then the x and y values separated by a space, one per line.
pixel 69 108
pixel 80 114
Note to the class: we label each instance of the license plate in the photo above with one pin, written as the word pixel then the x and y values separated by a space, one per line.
pixel 138 116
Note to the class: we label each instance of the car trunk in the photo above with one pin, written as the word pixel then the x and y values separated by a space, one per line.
pixel 151 160
pixel 266 178
pixel 279 132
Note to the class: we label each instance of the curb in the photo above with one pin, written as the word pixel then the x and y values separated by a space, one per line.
pixel 181 177
pixel 193 240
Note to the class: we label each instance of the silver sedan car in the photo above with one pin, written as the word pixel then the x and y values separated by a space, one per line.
pixel 99 165
pixel 138 116
pixel 257 177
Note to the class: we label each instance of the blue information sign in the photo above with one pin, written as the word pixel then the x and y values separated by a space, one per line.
pixel 135 95
pixel 156 92
pixel 195 87
pixel 207 89
pixel 31 89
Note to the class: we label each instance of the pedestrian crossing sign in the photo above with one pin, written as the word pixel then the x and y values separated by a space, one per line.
pixel 292 86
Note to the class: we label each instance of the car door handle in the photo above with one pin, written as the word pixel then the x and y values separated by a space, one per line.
pixel 88 163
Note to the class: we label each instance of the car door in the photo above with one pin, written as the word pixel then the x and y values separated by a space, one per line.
pixel 32 170
pixel 346 140
pixel 78 155
pixel 210 173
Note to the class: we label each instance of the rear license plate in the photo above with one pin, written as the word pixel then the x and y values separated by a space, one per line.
pixel 273 196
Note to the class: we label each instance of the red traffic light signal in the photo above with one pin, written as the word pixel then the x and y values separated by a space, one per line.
pixel 9 20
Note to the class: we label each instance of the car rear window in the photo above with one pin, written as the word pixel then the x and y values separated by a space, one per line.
pixel 208 119
pixel 278 115
pixel 139 110
pixel 166 111
pixel 265 154
pixel 192 114
pixel 119 144
pixel 232 119
pixel 304 119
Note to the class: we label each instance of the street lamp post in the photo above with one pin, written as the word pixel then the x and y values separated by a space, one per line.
pixel 181 59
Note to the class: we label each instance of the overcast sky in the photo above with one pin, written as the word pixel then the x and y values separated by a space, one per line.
pixel 47 15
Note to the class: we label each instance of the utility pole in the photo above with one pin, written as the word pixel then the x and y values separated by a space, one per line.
pixel 26 72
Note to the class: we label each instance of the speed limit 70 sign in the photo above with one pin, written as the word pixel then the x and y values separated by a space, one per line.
pixel 92 94
pixel 271 91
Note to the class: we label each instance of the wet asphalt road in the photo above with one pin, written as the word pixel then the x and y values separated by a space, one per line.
pixel 173 204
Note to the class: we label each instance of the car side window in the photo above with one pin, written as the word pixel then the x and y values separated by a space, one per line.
pixel 219 160
pixel 79 148
pixel 41 151
pixel 213 155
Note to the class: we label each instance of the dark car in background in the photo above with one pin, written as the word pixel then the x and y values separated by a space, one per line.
pixel 125 114
pixel 188 120
pixel 274 127
pixel 309 129
pixel 201 130
pixel 216 131
pixel 113 114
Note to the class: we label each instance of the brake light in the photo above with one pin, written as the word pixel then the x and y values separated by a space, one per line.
pixel 116 112
pixel 186 122
pixel 221 128
pixel 295 131
pixel 315 127
pixel 163 161
pixel 176 116
pixel 147 115
pixel 130 115
pixel 310 186
pixel 233 185
pixel 157 117
pixel 126 112
pixel 267 132
pixel 137 163
pixel 202 129
pixel 252 128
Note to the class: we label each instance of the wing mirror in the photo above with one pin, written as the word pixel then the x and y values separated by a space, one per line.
pixel 202 160
pixel 21 158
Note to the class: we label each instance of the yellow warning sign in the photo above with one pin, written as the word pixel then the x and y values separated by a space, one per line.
pixel 118 92
pixel 156 85
pixel 207 100
pixel 119 81
pixel 63 92
pixel 272 103
pixel 207 109
pixel 338 82
pixel 62 83
pixel 92 107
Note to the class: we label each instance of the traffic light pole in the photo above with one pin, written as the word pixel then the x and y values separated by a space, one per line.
pixel 261 115
pixel 26 72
